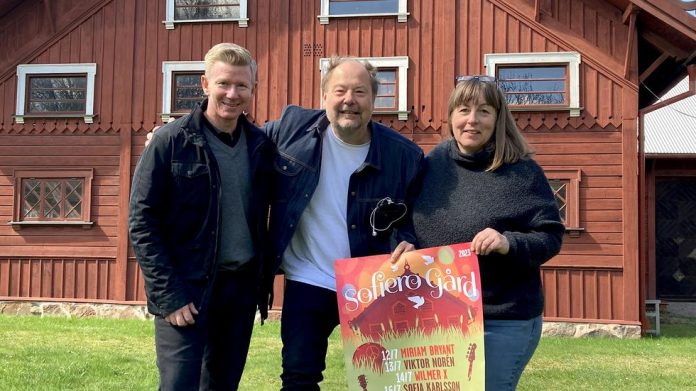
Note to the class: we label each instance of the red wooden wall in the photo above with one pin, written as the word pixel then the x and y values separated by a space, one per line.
pixel 594 278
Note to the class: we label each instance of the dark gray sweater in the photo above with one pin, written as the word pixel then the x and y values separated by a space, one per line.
pixel 459 199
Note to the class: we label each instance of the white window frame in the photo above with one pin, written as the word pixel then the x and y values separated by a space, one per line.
pixel 169 22
pixel 492 60
pixel 168 70
pixel 401 14
pixel 399 62
pixel 25 70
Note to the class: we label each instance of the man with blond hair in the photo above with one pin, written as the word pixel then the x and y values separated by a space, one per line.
pixel 198 214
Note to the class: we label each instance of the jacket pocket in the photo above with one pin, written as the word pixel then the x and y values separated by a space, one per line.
pixel 191 181
pixel 189 170
pixel 286 166
pixel 287 177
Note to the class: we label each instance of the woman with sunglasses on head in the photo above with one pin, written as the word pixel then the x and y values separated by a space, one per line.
pixel 482 186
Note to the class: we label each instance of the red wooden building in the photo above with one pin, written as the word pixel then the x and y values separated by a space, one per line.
pixel 82 82
pixel 415 310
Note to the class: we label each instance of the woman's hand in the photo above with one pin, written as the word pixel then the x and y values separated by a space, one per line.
pixel 490 241
pixel 400 250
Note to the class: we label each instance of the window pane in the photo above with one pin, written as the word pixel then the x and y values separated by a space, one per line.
pixel 73 198
pixel 543 85
pixel 560 191
pixel 386 93
pixel 386 90
pixel 56 94
pixel 546 72
pixel 343 7
pixel 386 76
pixel 385 103
pixel 187 91
pixel 31 198
pixel 52 199
pixel 206 9
pixel 533 86
pixel 535 99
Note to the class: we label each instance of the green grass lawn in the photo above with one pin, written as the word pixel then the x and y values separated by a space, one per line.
pixel 105 354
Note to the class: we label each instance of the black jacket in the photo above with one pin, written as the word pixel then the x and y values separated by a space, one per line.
pixel 175 211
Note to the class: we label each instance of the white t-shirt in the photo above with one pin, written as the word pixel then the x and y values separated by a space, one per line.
pixel 321 236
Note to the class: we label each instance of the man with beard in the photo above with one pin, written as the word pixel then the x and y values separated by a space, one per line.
pixel 343 188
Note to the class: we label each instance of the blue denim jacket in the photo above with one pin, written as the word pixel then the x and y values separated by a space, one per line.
pixel 392 169
pixel 175 211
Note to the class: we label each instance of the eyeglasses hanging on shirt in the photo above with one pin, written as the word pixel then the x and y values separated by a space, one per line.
pixel 385 214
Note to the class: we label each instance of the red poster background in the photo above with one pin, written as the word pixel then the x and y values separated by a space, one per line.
pixel 414 325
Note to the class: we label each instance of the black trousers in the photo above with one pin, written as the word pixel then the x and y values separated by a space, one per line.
pixel 211 356
pixel 310 314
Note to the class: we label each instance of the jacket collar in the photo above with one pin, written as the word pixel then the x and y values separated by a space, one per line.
pixel 194 125
pixel 374 156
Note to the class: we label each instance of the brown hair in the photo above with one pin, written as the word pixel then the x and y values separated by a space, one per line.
pixel 231 54
pixel 509 143
pixel 335 61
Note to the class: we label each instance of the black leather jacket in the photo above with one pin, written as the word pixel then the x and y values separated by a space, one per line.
pixel 175 211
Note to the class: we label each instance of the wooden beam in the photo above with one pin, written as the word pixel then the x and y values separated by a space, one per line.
pixel 646 73
pixel 671 14
pixel 537 10
pixel 691 69
pixel 630 47
pixel 690 6
pixel 663 44
pixel 630 10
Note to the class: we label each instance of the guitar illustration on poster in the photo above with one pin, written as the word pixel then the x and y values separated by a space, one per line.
pixel 414 325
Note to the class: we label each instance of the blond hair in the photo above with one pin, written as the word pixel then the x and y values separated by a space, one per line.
pixel 509 143
pixel 231 54
pixel 335 61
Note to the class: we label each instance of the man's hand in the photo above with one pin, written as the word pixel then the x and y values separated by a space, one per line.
pixel 183 316
pixel 148 136
pixel 489 241
pixel 400 250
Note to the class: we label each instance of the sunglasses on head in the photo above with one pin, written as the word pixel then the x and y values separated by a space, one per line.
pixel 481 78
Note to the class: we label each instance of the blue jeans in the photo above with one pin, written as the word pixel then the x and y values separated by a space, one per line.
pixel 210 354
pixel 310 314
pixel 509 345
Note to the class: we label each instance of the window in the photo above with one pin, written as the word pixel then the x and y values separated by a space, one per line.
pixel 192 11
pixel 565 185
pixel 399 308
pixel 429 323
pixel 181 87
pixel 538 81
pixel 534 85
pixel 55 90
pixel 392 74
pixel 350 8
pixel 401 326
pixel 53 197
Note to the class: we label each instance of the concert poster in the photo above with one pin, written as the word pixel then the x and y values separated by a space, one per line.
pixel 416 325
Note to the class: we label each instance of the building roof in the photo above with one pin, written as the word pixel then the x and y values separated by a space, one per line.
pixel 671 130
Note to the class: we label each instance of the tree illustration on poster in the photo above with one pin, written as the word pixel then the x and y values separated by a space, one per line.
pixel 414 325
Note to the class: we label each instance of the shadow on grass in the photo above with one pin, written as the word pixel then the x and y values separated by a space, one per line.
pixel 681 328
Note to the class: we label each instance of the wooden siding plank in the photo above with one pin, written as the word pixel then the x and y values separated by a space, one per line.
pixel 570 248
pixel 577 294
pixel 549 283
pixel 60 252
pixel 630 297
pixel 586 261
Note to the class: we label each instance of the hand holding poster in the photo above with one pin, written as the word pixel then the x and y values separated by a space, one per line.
pixel 416 325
